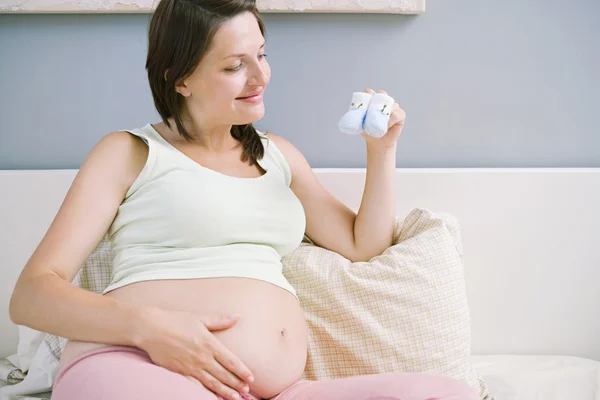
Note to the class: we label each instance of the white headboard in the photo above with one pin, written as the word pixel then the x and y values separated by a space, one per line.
pixel 531 239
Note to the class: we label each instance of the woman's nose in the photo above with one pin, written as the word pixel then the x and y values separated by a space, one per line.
pixel 259 76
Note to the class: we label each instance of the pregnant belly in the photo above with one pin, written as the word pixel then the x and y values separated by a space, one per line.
pixel 270 337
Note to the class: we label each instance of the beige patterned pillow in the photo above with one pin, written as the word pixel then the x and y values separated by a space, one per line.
pixel 405 310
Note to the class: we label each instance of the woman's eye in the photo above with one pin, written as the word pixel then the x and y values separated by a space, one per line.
pixel 234 69
pixel 238 67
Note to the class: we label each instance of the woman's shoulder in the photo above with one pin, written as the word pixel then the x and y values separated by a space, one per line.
pixel 123 147
pixel 119 156
pixel 291 153
pixel 284 146
pixel 292 158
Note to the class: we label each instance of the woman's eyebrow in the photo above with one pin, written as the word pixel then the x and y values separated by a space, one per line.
pixel 242 55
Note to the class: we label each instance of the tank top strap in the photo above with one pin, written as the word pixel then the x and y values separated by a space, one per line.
pixel 274 158
pixel 153 149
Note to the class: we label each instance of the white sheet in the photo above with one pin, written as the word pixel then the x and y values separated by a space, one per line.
pixel 511 377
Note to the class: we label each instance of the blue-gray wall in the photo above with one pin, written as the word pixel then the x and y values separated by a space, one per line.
pixel 507 83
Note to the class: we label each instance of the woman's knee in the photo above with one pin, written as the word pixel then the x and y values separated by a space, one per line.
pixel 416 386
pixel 436 387
pixel 389 386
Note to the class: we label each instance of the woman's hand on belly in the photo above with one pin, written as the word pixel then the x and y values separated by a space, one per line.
pixel 182 342
pixel 270 338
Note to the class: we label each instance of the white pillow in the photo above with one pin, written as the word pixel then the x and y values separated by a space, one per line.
pixel 29 341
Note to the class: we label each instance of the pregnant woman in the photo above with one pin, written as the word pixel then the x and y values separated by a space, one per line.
pixel 199 209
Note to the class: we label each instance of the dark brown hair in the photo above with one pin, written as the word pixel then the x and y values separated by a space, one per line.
pixel 180 33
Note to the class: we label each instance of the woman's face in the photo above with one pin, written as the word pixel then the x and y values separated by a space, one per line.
pixel 227 86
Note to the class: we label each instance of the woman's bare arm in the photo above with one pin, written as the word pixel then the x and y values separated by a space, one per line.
pixel 44 298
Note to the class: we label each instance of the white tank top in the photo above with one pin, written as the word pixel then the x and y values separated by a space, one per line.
pixel 180 220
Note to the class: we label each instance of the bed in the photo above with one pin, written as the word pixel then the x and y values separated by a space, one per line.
pixel 530 236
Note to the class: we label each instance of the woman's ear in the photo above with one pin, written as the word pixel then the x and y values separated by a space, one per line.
pixel 182 88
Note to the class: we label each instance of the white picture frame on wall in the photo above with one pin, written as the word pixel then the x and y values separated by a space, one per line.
pixel 145 6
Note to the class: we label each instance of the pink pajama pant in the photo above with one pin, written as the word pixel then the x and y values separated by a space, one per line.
pixel 125 373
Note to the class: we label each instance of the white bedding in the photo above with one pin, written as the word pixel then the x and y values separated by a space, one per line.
pixel 532 377
pixel 539 377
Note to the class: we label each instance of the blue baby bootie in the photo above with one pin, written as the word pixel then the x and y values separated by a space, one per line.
pixel 352 122
pixel 378 115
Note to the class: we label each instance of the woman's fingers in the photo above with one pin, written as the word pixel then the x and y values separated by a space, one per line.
pixel 216 386
pixel 232 363
pixel 397 115
pixel 227 378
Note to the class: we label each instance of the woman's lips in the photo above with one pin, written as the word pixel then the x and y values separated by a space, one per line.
pixel 256 98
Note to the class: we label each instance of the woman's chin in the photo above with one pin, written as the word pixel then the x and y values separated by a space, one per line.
pixel 250 117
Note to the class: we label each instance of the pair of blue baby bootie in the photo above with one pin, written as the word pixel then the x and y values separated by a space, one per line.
pixel 369 113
